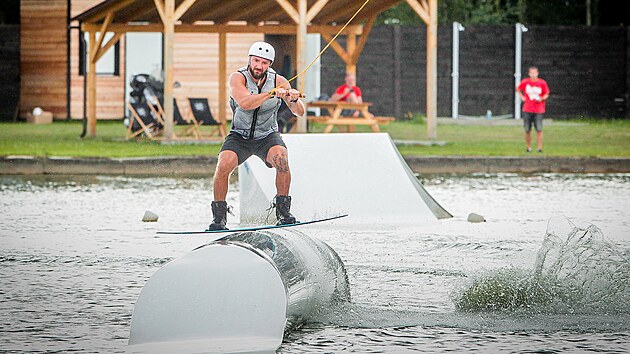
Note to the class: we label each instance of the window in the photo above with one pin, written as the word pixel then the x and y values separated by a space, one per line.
pixel 108 64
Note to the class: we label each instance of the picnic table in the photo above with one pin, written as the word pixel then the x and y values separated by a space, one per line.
pixel 334 117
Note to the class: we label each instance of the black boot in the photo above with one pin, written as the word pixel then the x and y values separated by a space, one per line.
pixel 219 213
pixel 283 210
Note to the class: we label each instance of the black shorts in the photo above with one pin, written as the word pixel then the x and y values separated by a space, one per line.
pixel 244 148
pixel 535 118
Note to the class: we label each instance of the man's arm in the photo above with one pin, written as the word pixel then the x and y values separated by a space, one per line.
pixel 290 96
pixel 359 96
pixel 520 93
pixel 241 94
pixel 338 96
pixel 545 96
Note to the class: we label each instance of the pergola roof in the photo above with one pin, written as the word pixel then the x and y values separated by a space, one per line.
pixel 251 12
pixel 295 17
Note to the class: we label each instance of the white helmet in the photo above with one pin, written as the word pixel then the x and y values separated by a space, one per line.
pixel 263 50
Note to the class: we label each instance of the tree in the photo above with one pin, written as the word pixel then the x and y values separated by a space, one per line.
pixel 468 12
pixel 477 12
pixel 556 12
pixel 400 14
pixel 535 12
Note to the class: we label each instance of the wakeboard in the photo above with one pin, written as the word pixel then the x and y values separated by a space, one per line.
pixel 252 228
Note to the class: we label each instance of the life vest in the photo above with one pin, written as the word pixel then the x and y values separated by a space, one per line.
pixel 259 122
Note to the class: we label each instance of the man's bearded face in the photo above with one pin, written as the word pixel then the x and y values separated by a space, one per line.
pixel 258 67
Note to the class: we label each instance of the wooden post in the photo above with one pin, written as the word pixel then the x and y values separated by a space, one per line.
pixel 300 48
pixel 432 71
pixel 350 55
pixel 357 49
pixel 169 37
pixel 95 52
pixel 222 77
pixel 101 37
pixel 627 95
pixel 91 86
pixel 428 13
pixel 351 45
pixel 102 50
pixel 341 52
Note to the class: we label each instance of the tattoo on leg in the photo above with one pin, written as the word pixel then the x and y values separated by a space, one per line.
pixel 280 163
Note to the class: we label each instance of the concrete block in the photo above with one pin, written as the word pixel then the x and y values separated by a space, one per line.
pixel 170 166
pixel 86 166
pixel 614 164
pixel 21 165
pixel 515 164
pixel 446 164
pixel 568 164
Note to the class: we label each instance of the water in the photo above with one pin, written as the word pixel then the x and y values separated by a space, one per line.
pixel 74 256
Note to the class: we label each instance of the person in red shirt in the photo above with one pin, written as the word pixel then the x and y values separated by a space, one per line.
pixel 348 92
pixel 534 92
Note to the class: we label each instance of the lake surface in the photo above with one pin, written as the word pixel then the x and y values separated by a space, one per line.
pixel 74 255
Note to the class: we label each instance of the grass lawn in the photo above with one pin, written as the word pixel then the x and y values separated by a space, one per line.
pixel 610 138
pixel 561 138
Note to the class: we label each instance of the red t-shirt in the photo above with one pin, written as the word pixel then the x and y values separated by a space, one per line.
pixel 342 88
pixel 533 90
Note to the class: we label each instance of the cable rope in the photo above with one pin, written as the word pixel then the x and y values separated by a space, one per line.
pixel 323 50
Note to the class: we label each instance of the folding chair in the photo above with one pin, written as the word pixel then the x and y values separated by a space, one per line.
pixel 142 120
pixel 203 116
pixel 178 119
pixel 177 114
pixel 193 128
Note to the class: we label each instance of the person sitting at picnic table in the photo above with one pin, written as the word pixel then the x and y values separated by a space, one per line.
pixel 348 92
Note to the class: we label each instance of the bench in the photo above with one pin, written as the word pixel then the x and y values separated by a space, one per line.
pixel 351 122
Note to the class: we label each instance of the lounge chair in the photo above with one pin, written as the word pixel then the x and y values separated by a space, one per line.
pixel 202 115
pixel 143 119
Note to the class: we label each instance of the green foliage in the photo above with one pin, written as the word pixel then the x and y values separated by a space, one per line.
pixel 556 12
pixel 480 12
pixel 468 12
pixel 400 14
pixel 496 12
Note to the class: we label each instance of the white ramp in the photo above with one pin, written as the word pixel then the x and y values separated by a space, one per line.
pixel 362 175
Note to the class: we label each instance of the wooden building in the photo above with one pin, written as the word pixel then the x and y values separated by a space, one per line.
pixel 43 56
pixel 193 43
pixel 50 62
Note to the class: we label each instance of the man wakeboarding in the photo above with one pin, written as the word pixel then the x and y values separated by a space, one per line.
pixel 256 92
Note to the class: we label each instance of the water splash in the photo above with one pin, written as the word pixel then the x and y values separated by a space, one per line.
pixel 508 289
pixel 577 270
